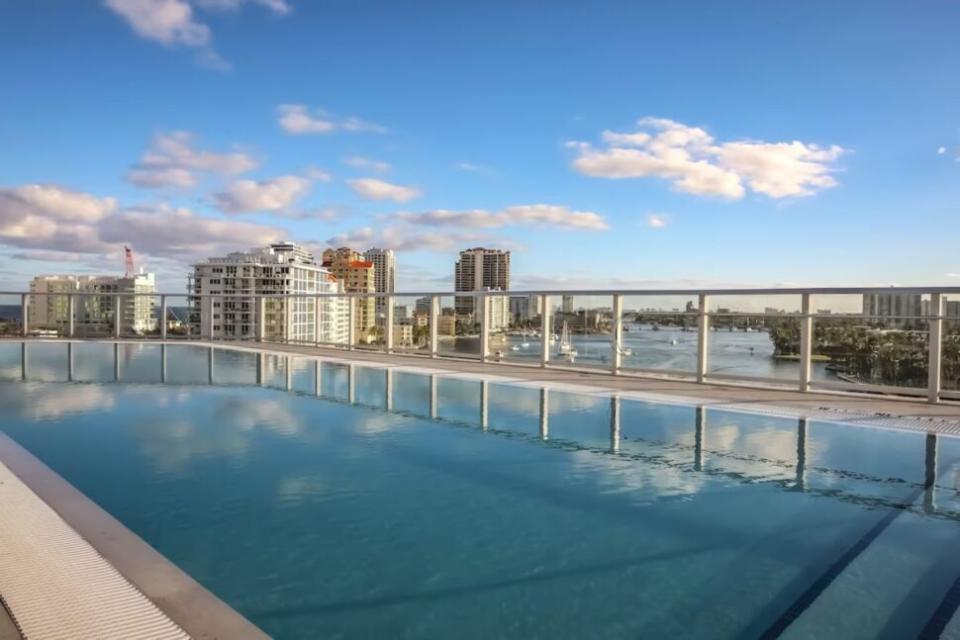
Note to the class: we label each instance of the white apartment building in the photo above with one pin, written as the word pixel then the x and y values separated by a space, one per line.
pixel 894 309
pixel 480 269
pixel 93 314
pixel 278 269
pixel 384 277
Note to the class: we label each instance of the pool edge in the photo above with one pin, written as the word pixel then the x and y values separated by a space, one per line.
pixel 185 601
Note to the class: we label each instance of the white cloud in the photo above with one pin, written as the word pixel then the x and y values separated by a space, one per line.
pixel 297 119
pixel 359 162
pixel 172 161
pixel 168 22
pixel 656 220
pixel 174 23
pixel 535 214
pixel 55 219
pixel 375 189
pixel 406 238
pixel 280 7
pixel 276 194
pixel 953 275
pixel 941 151
pixel 695 163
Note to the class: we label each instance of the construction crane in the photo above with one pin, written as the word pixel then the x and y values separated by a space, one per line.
pixel 128 261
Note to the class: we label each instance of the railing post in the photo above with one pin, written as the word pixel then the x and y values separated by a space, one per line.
pixel 546 330
pixel 935 347
pixel 163 317
pixel 617 337
pixel 806 340
pixel 261 319
pixel 71 312
pixel 703 337
pixel 24 312
pixel 116 315
pixel 317 324
pixel 484 302
pixel 388 325
pixel 434 329
pixel 352 326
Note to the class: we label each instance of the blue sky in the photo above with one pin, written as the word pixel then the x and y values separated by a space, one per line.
pixel 762 143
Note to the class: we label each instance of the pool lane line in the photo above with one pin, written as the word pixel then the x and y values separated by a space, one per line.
pixel 942 615
pixel 810 595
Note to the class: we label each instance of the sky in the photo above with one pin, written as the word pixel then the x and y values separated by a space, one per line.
pixel 616 144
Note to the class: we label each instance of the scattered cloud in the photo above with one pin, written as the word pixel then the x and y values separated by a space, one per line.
pixel 279 7
pixel 173 23
pixel 51 218
pixel 173 161
pixel 534 214
pixel 403 237
pixel 169 22
pixel 657 220
pixel 275 194
pixel 359 162
pixel 376 189
pixel 472 167
pixel 298 120
pixel 694 162
pixel 953 275
pixel 941 151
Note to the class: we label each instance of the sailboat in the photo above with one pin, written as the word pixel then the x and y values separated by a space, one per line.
pixel 566 348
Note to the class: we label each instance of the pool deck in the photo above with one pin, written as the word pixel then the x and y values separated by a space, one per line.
pixel 897 412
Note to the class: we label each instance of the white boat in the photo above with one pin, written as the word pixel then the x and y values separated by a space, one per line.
pixel 626 351
pixel 566 348
pixel 524 345
pixel 674 341
pixel 514 348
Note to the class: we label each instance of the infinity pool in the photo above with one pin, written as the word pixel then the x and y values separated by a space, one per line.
pixel 379 503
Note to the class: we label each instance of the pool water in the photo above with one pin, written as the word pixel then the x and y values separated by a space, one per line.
pixel 383 503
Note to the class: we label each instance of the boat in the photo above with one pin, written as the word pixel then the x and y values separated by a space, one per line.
pixel 514 348
pixel 566 348
pixel 524 345
pixel 674 341
pixel 626 351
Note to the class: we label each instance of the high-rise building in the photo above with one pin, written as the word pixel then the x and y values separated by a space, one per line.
pixel 384 277
pixel 357 276
pixel 893 309
pixel 93 314
pixel 566 304
pixel 278 269
pixel 525 308
pixel 480 269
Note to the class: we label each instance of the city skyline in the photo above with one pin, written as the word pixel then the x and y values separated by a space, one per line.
pixel 183 136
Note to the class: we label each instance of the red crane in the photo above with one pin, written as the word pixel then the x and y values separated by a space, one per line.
pixel 128 261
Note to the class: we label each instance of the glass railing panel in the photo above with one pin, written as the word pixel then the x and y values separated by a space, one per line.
pixel 754 336
pixel 411 325
pixel 11 315
pixel 881 341
pixel 659 333
pixel 458 327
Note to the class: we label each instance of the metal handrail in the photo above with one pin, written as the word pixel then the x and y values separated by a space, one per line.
pixel 704 314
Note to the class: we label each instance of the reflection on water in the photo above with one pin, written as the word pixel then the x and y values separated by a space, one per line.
pixel 328 499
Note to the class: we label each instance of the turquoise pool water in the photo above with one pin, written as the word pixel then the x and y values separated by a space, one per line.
pixel 355 514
